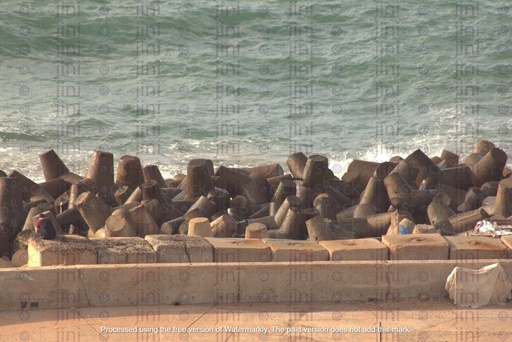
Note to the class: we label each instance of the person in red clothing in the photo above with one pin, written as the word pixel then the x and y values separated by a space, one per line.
pixel 45 228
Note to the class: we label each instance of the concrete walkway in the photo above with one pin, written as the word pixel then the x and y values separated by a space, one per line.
pixel 405 320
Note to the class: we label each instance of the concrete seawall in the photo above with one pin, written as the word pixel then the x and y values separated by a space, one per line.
pixel 227 283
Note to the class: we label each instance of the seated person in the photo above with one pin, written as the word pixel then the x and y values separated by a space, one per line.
pixel 45 228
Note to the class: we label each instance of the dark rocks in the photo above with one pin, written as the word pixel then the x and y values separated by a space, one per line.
pixel 372 199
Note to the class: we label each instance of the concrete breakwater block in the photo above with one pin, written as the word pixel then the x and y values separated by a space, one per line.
pixel 20 258
pixel 6 263
pixel 124 250
pixel 67 250
pixel 232 200
pixel 475 248
pixel 507 241
pixel 256 231
pixel 200 226
pixel 180 248
pixel 356 249
pixel 296 250
pixel 416 247
pixel 240 250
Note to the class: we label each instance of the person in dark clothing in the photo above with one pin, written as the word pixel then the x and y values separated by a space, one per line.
pixel 45 228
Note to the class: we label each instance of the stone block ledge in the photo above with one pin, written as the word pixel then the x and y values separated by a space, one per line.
pixel 164 248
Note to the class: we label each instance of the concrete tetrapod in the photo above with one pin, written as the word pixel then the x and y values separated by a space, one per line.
pixel 296 163
pixel 53 166
pixel 314 173
pixel 101 172
pixel 144 222
pixel 326 205
pixel 220 199
pixel 483 147
pixel 490 167
pixel 267 170
pixel 472 159
pixel 286 187
pixel 451 159
pixel 11 217
pixel 408 172
pixel 151 190
pixel 256 231
pixel 203 207
pixel 172 226
pixel 363 170
pixel 30 190
pixel 324 229
pixel 258 189
pixel 229 179
pixel 439 211
pixel 225 226
pixel 336 190
pixel 129 172
pixel 307 195
pixel 374 199
pixel 427 168
pixel 122 194
pixel 93 210
pixel 503 204
pixel 384 169
pixel 466 221
pixel 473 200
pixel 459 177
pixel 398 190
pixel 289 202
pixel 76 189
pixel 200 226
pixel 120 224
pixel 294 224
pixel 152 172
pixel 379 224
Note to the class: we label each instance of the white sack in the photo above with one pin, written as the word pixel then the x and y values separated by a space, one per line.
pixel 488 285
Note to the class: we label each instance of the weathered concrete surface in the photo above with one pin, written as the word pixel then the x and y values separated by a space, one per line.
pixel 122 250
pixel 180 248
pixel 198 249
pixel 168 284
pixel 168 249
pixel 356 249
pixel 43 287
pixel 474 248
pixel 240 250
pixel 296 250
pixel 416 247
pixel 65 250
pixel 224 283
pixel 310 282
pixel 163 248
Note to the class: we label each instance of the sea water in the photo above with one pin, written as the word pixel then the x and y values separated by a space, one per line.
pixel 244 83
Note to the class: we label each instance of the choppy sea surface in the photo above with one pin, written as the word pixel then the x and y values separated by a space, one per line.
pixel 244 83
